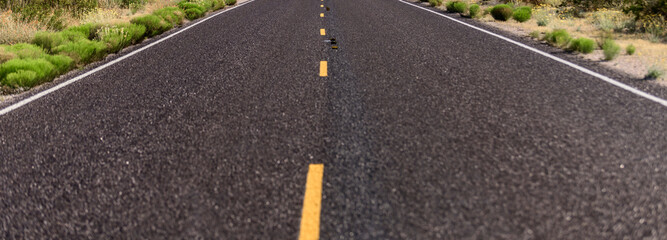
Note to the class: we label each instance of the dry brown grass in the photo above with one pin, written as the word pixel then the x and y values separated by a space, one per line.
pixel 12 31
pixel 121 15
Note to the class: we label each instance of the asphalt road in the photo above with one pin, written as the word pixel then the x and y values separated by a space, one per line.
pixel 427 129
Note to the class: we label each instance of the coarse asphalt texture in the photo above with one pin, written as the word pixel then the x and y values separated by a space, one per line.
pixel 427 129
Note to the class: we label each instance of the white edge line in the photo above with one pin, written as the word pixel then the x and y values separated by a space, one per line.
pixel 97 69
pixel 575 66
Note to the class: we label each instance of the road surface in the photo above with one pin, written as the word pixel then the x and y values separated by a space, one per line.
pixel 425 129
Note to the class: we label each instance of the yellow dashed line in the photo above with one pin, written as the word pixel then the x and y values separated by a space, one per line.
pixel 323 69
pixel 321 14
pixel 321 5
pixel 312 203
pixel 322 32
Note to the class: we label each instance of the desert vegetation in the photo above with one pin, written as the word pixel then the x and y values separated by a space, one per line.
pixel 42 39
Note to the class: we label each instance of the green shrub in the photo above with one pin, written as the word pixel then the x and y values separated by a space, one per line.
pixel 48 40
pixel 83 51
pixel 558 38
pixel 85 30
pixel 474 11
pixel 189 5
pixel 654 73
pixel 542 22
pixel 535 34
pixel 582 45
pixel 193 13
pixel 502 12
pixel 610 49
pixel 522 14
pixel 134 32
pixel 173 15
pixel 435 2
pixel 115 37
pixel 457 7
pixel 630 49
pixel 219 4
pixel 22 78
pixel 61 63
pixel 230 2
pixel 71 36
pixel 26 72
pixel 25 50
pixel 209 4
pixel 137 32
pixel 154 24
pixel 449 5
pixel 655 26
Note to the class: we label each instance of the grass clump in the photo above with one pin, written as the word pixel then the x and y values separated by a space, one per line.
pixel 48 40
pixel 22 78
pixel 435 3
pixel 653 73
pixel 61 63
pixel 83 51
pixel 25 50
pixel 31 72
pixel 219 4
pixel 457 7
pixel 117 37
pixel 25 72
pixel 582 45
pixel 193 10
pixel 610 49
pixel 81 31
pixel 502 12
pixel 230 2
pixel 28 54
pixel 558 38
pixel 185 5
pixel 193 13
pixel 542 22
pixel 154 24
pixel 535 34
pixel 135 31
pixel 173 15
pixel 630 49
pixel 474 11
pixel 522 14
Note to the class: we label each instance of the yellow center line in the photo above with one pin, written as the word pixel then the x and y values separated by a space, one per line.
pixel 322 32
pixel 312 204
pixel 321 5
pixel 321 14
pixel 323 69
